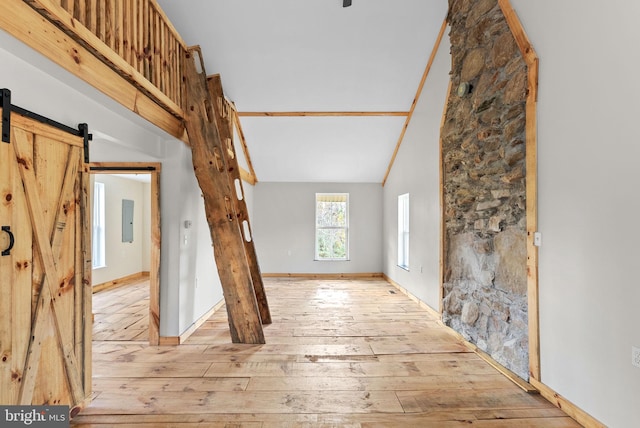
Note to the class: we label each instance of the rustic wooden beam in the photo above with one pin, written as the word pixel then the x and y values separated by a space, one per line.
pixel 35 30
pixel 531 182
pixel 224 122
pixel 211 172
pixel 320 113
pixel 434 51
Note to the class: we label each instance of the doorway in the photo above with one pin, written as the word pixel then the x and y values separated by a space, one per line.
pixel 152 170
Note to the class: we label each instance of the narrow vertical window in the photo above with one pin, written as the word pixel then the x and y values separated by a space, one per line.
pixel 98 236
pixel 332 226
pixel 403 231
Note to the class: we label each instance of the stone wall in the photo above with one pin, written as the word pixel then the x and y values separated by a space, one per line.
pixel 483 135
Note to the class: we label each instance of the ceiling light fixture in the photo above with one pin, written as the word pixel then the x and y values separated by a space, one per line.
pixel 346 3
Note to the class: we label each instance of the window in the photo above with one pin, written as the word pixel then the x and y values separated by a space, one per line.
pixel 332 226
pixel 403 231
pixel 97 235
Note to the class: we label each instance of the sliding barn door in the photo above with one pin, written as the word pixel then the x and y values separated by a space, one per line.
pixel 45 267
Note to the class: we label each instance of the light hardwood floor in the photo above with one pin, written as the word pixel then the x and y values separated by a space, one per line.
pixel 122 313
pixel 343 353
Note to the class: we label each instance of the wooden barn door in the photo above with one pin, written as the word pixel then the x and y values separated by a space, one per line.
pixel 45 267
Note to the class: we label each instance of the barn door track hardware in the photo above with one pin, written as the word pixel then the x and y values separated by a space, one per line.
pixel 8 108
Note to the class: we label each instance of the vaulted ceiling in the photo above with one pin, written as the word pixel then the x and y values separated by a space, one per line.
pixel 322 91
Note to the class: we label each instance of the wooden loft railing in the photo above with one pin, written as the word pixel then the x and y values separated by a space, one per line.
pixel 133 38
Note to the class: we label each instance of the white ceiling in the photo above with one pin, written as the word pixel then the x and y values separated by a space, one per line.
pixel 315 56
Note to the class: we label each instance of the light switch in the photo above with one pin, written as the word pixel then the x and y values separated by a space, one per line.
pixel 537 239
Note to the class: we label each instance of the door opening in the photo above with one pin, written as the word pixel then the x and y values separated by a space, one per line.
pixel 151 172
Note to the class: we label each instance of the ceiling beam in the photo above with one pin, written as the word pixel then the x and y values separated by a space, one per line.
pixel 415 99
pixel 320 113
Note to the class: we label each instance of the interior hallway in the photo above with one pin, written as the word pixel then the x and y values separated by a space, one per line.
pixel 354 353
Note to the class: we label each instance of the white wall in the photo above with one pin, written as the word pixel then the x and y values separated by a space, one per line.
pixel 199 281
pixel 121 136
pixel 416 171
pixel 284 227
pixel 588 200
pixel 122 258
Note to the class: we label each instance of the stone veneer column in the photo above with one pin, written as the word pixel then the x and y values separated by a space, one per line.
pixel 483 151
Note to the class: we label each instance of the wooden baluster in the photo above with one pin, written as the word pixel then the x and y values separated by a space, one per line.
pixel 152 46
pixel 178 73
pixel 101 20
pixel 145 39
pixel 161 57
pixel 81 12
pixel 142 32
pixel 157 62
pixel 111 23
pixel 174 70
pixel 168 65
pixel 134 34
pixel 119 28
pixel 92 15
pixel 125 26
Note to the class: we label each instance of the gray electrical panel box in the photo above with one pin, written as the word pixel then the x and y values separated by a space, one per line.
pixel 127 220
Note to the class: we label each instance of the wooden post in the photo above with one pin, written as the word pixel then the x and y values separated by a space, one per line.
pixel 225 123
pixel 212 174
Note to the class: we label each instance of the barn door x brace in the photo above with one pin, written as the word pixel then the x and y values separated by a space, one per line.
pixel 7 108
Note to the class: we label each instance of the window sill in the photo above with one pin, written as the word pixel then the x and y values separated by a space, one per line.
pixel 331 260
pixel 404 267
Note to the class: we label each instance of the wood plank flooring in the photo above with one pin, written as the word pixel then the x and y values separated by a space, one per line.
pixel 122 313
pixel 340 353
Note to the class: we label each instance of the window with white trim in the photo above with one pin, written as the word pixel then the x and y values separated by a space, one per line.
pixel 403 231
pixel 98 247
pixel 332 226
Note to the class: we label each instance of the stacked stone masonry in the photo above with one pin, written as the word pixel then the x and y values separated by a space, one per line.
pixel 483 151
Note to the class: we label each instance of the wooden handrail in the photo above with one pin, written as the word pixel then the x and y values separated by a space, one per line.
pixel 134 37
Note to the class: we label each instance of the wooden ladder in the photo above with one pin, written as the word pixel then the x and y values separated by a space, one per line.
pixel 207 122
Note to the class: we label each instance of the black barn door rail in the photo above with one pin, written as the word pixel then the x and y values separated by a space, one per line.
pixel 8 108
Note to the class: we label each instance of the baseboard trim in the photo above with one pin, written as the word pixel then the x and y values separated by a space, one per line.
pixel 178 340
pixel 198 323
pixel 406 292
pixel 576 413
pixel 168 340
pixel 362 275
pixel 534 386
pixel 125 280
